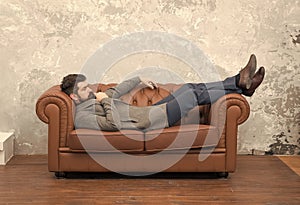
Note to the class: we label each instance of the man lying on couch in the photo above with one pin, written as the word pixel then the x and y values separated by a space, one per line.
pixel 105 111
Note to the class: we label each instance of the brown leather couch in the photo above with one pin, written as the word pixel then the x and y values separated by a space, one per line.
pixel 208 132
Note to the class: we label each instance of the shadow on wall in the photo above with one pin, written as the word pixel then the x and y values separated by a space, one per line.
pixel 282 146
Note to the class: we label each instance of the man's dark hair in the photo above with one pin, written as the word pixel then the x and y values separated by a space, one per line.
pixel 69 83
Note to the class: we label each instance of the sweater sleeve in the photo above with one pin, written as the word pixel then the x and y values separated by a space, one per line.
pixel 123 88
pixel 111 121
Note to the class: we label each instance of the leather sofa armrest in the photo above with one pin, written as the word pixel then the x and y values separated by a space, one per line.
pixel 226 114
pixel 56 109
pixel 230 104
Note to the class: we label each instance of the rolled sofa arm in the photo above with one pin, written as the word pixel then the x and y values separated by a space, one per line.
pixel 56 109
pixel 231 104
pixel 226 114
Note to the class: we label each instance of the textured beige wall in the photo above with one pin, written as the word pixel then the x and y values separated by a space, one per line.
pixel 41 41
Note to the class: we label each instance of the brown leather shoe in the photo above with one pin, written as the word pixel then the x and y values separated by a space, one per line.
pixel 256 81
pixel 247 73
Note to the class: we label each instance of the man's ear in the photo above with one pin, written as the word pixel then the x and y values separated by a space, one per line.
pixel 74 96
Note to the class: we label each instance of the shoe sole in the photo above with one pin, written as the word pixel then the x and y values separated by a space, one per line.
pixel 252 71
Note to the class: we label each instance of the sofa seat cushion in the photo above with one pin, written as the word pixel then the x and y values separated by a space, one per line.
pixel 95 140
pixel 182 137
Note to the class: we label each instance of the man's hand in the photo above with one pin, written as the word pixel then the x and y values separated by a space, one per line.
pixel 100 96
pixel 148 83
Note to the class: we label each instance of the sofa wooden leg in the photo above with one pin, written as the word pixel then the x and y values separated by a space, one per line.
pixel 222 174
pixel 60 175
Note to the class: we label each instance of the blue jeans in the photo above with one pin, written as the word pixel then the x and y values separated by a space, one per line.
pixel 192 94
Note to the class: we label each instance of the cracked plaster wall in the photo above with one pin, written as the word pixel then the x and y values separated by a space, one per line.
pixel 41 41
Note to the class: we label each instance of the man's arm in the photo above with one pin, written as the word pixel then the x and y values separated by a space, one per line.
pixel 111 121
pixel 127 85
pixel 123 88
pixel 88 121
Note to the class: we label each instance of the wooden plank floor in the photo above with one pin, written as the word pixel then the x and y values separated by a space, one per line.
pixel 257 180
pixel 292 162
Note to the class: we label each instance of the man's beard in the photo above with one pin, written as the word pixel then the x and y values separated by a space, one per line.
pixel 91 96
